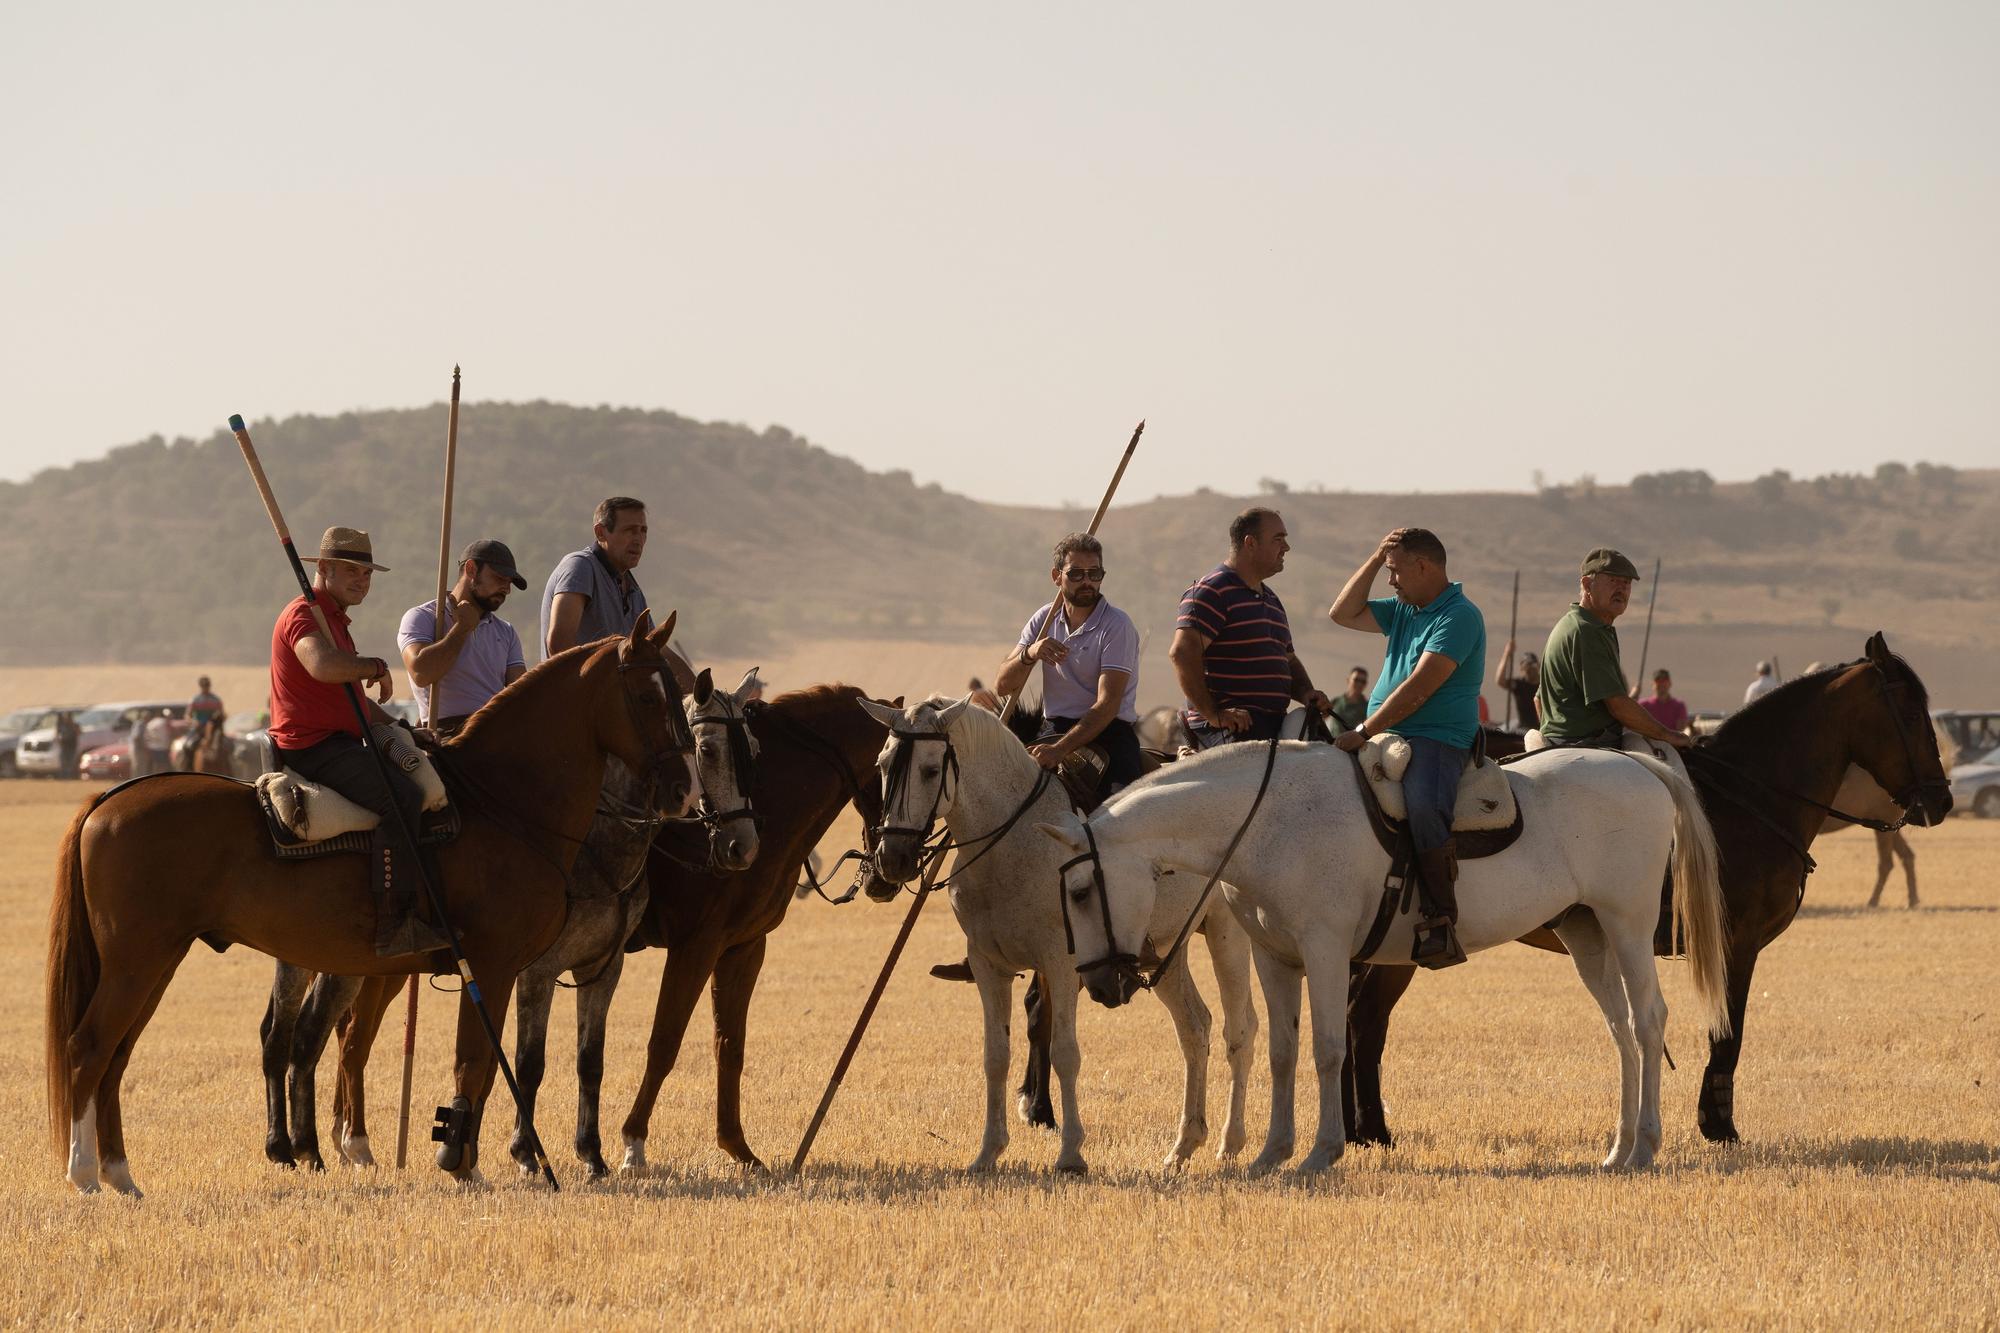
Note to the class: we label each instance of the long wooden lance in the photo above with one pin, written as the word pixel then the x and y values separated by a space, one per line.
pixel 440 622
pixel 1646 644
pixel 458 958
pixel 1062 597
pixel 1513 622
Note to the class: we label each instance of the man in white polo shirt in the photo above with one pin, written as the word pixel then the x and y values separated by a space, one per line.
pixel 479 655
pixel 1089 655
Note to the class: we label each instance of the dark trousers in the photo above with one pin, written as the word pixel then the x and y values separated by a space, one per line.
pixel 1430 789
pixel 344 764
pixel 1122 761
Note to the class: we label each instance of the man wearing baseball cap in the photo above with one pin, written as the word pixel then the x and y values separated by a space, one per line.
pixel 317 736
pixel 479 654
pixel 1583 696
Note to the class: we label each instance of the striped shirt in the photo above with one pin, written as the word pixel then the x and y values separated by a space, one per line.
pixel 1247 662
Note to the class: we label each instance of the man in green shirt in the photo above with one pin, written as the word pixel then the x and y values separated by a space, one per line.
pixel 1351 707
pixel 1583 696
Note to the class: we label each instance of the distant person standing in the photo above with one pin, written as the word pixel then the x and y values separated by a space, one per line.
pixel 135 745
pixel 68 737
pixel 158 736
pixel 591 594
pixel 479 654
pixel 204 712
pixel 1352 705
pixel 1666 710
pixel 1765 681
pixel 1891 846
pixel 1520 677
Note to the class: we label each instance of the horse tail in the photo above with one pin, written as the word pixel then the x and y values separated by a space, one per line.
pixel 1698 914
pixel 72 974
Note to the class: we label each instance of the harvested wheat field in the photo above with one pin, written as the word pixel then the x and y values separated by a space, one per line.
pixel 1868 1191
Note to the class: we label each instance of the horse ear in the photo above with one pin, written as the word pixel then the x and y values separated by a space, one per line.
pixel 896 702
pixel 1878 649
pixel 883 713
pixel 949 713
pixel 1061 835
pixel 665 633
pixel 704 687
pixel 748 677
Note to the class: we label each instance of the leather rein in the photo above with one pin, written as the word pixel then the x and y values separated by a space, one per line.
pixel 930 849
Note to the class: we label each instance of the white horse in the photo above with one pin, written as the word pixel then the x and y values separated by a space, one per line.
pixel 947 761
pixel 1307 879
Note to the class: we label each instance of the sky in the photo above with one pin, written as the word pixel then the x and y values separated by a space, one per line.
pixel 1429 246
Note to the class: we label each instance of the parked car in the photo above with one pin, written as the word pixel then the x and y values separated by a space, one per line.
pixel 101 725
pixel 42 717
pixel 1976 787
pixel 1974 732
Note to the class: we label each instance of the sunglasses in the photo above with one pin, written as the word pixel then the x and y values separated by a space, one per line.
pixel 1085 575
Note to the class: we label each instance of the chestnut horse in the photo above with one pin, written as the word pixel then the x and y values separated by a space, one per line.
pixel 813 749
pixel 150 867
pixel 1769 779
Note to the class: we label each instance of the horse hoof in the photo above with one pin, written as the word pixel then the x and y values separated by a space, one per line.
pixel 279 1154
pixel 982 1166
pixel 118 1176
pixel 1074 1168
pixel 594 1166
pixel 1318 1160
pixel 471 1178
pixel 1265 1163
pixel 355 1152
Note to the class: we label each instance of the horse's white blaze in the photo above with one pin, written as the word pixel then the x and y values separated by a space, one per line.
pixel 83 1149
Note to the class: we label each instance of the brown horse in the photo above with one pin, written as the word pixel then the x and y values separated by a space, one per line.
pixel 1769 779
pixel 816 752
pixel 150 867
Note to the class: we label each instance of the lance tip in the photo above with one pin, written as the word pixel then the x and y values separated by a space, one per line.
pixel 235 421
pixel 454 372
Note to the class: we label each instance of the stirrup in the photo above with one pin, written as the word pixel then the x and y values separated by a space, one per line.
pixel 1436 944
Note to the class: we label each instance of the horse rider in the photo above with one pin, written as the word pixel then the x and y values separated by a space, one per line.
pixel 1232 649
pixel 1089 654
pixel 204 715
pixel 1583 696
pixel 591 593
pixel 317 736
pixel 1519 677
pixel 479 655
pixel 1427 693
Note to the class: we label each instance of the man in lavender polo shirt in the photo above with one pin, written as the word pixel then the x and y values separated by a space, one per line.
pixel 1089 654
pixel 479 655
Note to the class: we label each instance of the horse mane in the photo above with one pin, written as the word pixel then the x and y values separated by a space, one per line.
pixel 983 737
pixel 810 698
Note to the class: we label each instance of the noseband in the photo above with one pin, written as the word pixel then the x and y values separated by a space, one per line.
pixel 742 765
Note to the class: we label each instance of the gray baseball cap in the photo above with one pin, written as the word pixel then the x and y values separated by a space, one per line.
pixel 489 552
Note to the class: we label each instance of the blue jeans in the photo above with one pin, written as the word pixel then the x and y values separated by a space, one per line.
pixel 1430 789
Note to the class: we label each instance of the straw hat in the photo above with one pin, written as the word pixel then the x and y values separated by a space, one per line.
pixel 351 545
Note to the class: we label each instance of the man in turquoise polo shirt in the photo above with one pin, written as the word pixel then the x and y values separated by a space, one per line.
pixel 1427 693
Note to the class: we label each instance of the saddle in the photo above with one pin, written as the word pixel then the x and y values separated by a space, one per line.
pixel 1082 774
pixel 307 819
pixel 1485 820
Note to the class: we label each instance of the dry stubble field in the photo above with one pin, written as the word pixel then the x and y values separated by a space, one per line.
pixel 1866 1194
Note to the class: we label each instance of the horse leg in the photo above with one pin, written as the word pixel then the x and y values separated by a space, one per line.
pixel 326 1002
pixel 112 1021
pixel 1909 860
pixel 1066 1057
pixel 1715 1112
pixel 535 991
pixel 1649 1019
pixel 364 1022
pixel 477 1063
pixel 1229 954
pixel 593 1008
pixel 735 981
pixel 113 1169
pixel 281 1013
pixel 680 989
pixel 1598 967
pixel 1326 990
pixel 1368 1021
pixel 1192 1026
pixel 996 1001
pixel 1033 1101
pixel 1280 982
pixel 1884 863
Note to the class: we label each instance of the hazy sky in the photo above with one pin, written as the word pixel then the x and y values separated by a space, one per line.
pixel 1424 245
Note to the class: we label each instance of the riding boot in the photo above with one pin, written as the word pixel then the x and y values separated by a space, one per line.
pixel 398 928
pixel 1437 937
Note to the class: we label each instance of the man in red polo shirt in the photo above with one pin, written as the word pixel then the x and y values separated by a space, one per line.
pixel 317 736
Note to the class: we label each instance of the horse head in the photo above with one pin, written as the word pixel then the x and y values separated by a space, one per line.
pixel 641 722
pixel 919 781
pixel 1891 734
pixel 1108 894
pixel 726 763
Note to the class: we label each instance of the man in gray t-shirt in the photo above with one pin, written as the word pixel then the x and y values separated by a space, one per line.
pixel 592 594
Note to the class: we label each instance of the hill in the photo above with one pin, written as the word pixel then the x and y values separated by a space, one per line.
pixel 160 553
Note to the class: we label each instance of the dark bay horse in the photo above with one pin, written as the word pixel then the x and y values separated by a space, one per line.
pixel 1768 780
pixel 816 753
pixel 150 867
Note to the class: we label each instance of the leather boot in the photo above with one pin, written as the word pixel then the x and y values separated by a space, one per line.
pixel 398 928
pixel 1437 939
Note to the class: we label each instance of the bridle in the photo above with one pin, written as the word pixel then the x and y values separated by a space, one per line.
pixel 930 848
pixel 1125 964
pixel 742 749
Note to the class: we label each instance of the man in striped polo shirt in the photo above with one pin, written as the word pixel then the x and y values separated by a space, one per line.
pixel 1232 648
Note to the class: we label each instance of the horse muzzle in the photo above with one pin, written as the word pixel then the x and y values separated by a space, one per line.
pixel 1110 985
pixel 898 857
pixel 733 846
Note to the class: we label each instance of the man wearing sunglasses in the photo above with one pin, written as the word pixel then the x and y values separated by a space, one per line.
pixel 1089 654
